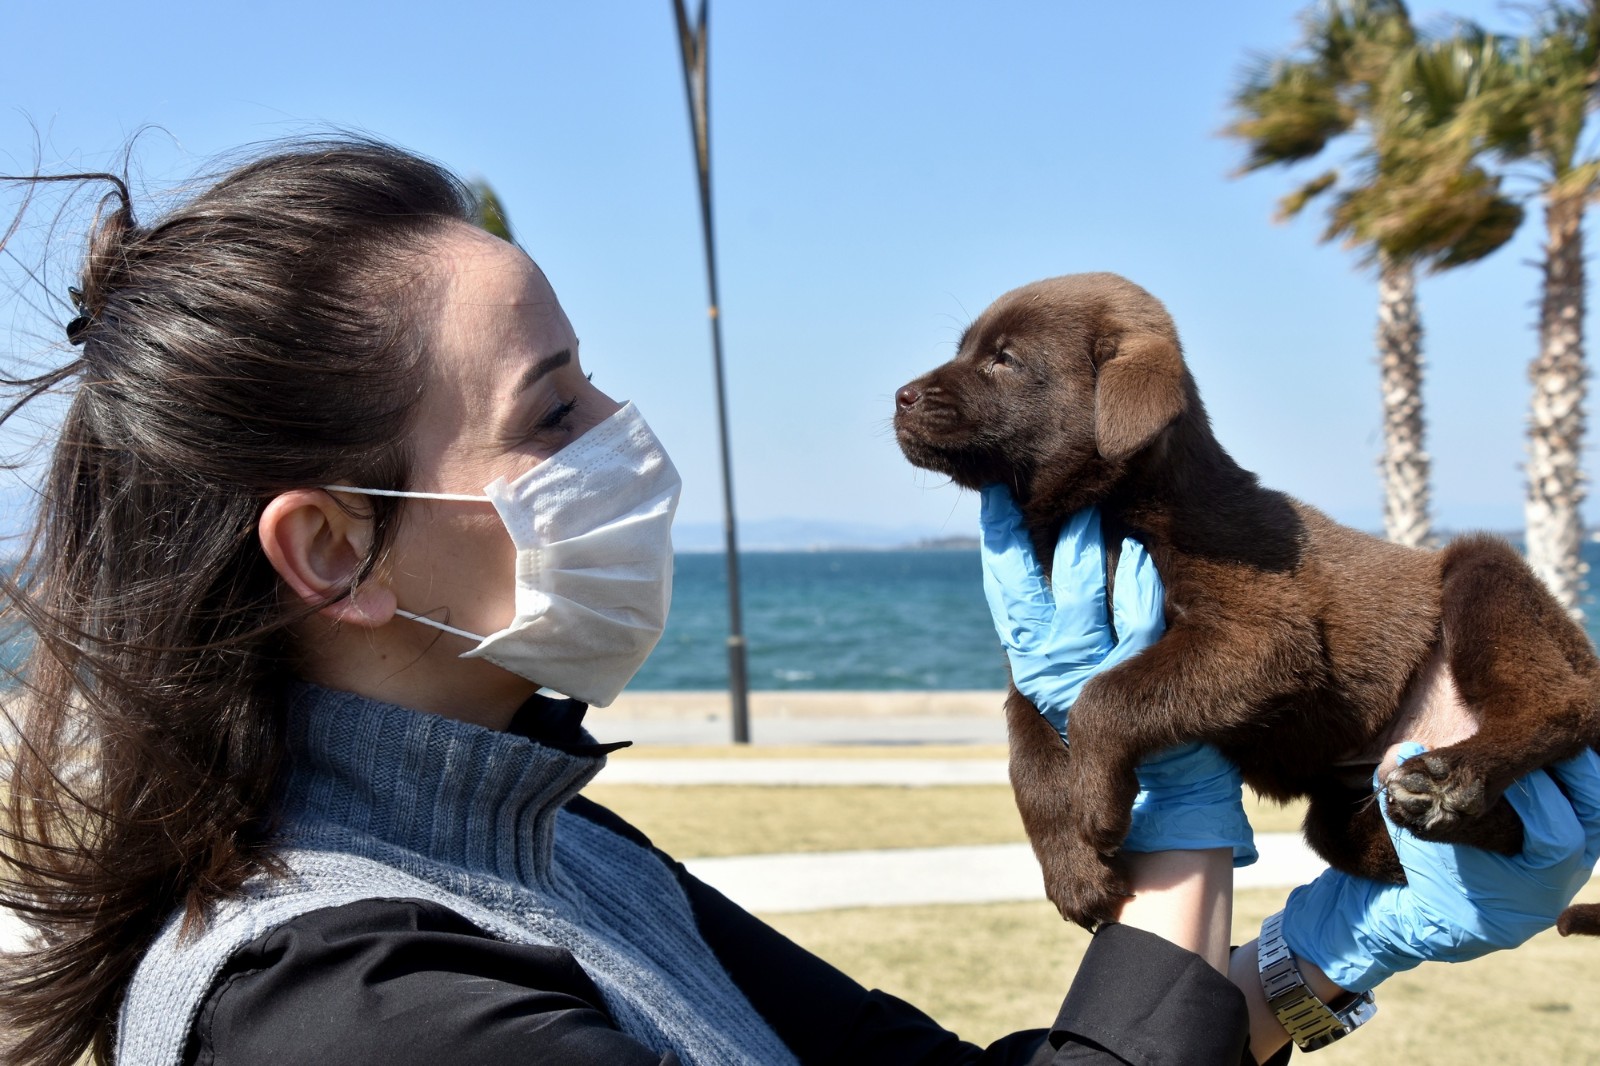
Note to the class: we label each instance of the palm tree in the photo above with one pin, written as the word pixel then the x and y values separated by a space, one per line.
pixel 491 214
pixel 1542 91
pixel 1359 70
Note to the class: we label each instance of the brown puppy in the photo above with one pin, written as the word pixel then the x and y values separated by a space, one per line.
pixel 1291 640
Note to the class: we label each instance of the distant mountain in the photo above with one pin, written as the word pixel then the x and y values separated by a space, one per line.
pixel 803 534
pixel 946 544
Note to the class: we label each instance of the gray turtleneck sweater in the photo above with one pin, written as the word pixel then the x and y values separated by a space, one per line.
pixel 380 802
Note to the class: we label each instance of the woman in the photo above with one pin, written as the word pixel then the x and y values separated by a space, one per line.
pixel 333 500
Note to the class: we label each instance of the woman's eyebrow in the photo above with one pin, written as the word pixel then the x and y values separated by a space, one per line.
pixel 543 367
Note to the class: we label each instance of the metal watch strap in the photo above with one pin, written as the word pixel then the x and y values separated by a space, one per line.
pixel 1311 1023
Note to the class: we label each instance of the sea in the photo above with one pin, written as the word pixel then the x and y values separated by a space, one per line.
pixel 870 620
pixel 834 620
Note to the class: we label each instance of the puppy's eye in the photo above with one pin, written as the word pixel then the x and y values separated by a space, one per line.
pixel 996 358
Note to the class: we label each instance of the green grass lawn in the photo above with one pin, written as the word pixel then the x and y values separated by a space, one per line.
pixel 988 969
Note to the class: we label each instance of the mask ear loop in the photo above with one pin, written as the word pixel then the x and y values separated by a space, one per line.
pixel 425 620
pixel 466 497
pixel 462 496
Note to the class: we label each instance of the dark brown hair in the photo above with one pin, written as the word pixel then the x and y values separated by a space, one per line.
pixel 257 338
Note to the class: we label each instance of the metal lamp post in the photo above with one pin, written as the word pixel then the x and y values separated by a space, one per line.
pixel 692 41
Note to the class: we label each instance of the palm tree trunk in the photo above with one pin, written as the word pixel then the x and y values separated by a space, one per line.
pixel 1556 418
pixel 1405 461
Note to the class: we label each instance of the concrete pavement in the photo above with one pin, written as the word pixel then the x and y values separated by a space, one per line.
pixel 988 873
pixel 805 718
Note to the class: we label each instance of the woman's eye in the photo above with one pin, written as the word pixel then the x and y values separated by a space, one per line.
pixel 557 417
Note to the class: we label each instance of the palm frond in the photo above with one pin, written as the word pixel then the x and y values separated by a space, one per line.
pixel 1288 112
pixel 1495 225
pixel 1581 182
pixel 1440 216
pixel 1347 34
pixel 1292 204
pixel 1546 88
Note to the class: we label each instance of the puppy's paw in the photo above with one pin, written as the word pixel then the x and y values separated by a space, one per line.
pixel 1436 795
pixel 1086 888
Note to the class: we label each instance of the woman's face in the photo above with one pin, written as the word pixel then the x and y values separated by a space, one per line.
pixel 505 391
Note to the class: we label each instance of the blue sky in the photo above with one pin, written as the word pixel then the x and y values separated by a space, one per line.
pixel 882 171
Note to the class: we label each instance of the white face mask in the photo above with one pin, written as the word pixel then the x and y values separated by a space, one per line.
pixel 592 526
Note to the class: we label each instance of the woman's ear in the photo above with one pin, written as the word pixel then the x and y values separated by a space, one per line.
pixel 317 548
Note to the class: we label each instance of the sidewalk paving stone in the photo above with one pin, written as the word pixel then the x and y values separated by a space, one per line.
pixel 987 873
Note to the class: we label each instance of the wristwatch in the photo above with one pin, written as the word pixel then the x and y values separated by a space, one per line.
pixel 1312 1024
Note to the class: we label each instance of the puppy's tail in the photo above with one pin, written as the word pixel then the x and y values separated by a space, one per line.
pixel 1580 918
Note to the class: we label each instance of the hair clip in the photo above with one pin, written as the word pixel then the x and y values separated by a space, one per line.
pixel 76 327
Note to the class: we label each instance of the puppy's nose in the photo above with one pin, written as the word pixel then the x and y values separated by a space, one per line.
pixel 907 396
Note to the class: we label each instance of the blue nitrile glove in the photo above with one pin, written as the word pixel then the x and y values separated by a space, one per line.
pixel 1056 636
pixel 1459 902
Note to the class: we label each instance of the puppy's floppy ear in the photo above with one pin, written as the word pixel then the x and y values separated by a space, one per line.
pixel 1138 393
